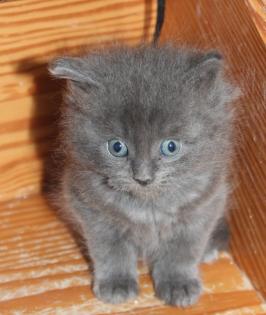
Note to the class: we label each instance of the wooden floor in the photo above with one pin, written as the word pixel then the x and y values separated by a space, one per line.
pixel 42 270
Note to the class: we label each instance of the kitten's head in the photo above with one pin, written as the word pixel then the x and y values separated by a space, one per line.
pixel 147 119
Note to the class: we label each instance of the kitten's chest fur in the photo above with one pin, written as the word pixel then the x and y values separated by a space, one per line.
pixel 148 236
pixel 151 224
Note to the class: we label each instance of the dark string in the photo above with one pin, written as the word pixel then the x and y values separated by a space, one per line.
pixel 159 21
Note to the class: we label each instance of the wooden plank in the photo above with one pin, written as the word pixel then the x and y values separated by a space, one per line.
pixel 227 26
pixel 79 301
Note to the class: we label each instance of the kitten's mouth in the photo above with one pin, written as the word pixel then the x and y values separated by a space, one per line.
pixel 144 190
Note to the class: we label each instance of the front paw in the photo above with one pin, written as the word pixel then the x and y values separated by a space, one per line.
pixel 116 290
pixel 179 291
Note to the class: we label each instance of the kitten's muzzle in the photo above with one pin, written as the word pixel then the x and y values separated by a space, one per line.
pixel 142 172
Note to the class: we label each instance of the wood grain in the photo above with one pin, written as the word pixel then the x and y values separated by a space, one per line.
pixel 258 13
pixel 227 25
pixel 33 32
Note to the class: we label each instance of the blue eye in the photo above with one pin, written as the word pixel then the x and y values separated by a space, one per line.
pixel 117 148
pixel 170 147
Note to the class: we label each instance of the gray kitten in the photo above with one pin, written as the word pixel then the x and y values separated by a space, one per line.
pixel 146 135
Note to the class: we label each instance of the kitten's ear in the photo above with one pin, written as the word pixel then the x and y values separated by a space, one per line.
pixel 71 68
pixel 207 69
pixel 211 66
pixel 207 72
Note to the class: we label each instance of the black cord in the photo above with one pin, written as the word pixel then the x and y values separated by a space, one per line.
pixel 159 21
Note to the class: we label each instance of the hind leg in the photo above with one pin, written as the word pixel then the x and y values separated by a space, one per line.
pixel 219 241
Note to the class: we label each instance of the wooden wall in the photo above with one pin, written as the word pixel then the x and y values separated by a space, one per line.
pixel 31 33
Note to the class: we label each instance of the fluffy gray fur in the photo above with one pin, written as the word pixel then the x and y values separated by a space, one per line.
pixel 143 96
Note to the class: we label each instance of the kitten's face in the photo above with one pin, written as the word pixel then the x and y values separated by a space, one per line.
pixel 147 151
pixel 142 151
pixel 138 157
pixel 151 124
